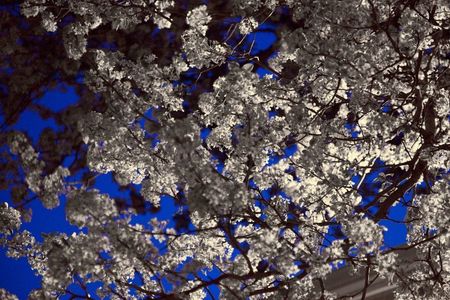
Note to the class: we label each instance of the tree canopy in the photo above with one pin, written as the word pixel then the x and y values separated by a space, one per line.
pixel 285 132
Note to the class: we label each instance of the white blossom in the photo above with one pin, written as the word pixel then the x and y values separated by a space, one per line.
pixel 296 173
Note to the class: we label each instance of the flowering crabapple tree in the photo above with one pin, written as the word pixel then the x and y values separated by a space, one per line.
pixel 268 152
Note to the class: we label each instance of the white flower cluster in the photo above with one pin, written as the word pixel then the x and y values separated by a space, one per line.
pixel 198 19
pixel 355 87
pixel 5 295
pixel 366 235
pixel 9 219
pixel 247 25
pixel 47 187
pixel 86 208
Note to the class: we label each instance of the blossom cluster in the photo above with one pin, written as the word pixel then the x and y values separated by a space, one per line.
pixel 296 171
